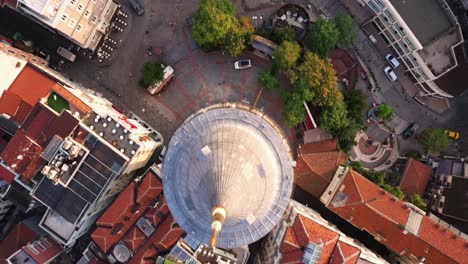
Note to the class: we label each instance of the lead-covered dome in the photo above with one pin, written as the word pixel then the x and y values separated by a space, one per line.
pixel 232 156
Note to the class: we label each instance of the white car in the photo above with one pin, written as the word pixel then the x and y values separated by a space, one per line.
pixel 390 74
pixel 392 61
pixel 242 64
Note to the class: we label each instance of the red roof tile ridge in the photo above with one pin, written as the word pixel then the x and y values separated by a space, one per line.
pixel 355 183
pixel 369 205
pixel 291 243
pixel 355 254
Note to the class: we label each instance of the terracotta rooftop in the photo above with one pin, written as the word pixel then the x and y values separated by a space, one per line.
pixel 318 147
pixel 71 99
pixel 31 85
pixel 344 254
pixel 41 125
pixel 304 231
pixel 19 236
pixel 415 177
pixel 394 224
pixel 9 103
pixel 314 171
pixel 141 202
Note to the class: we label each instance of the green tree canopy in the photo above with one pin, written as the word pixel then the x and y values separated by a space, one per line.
pixel 294 108
pixel 384 111
pixel 355 103
pixel 151 73
pixel 284 34
pixel 323 37
pixel 287 54
pixel 347 30
pixel 268 80
pixel 435 140
pixel 216 26
pixel 321 80
pixel 334 118
pixel 416 200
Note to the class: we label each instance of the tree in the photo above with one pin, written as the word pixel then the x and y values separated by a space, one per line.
pixel 435 140
pixel 294 108
pixel 151 73
pixel 347 30
pixel 346 136
pixel 268 80
pixel 384 111
pixel 416 200
pixel 395 191
pixel 284 34
pixel 334 118
pixel 321 80
pixel 287 54
pixel 213 21
pixel 355 104
pixel 323 37
pixel 412 153
pixel 216 26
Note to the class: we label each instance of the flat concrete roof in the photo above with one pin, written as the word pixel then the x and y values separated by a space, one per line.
pixel 426 18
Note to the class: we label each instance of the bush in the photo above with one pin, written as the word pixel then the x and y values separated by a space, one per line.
pixel 323 37
pixel 413 154
pixel 355 103
pixel 151 74
pixel 284 34
pixel 384 111
pixel 417 201
pixel 347 28
pixel 268 80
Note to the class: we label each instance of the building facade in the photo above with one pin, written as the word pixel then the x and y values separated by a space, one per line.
pixel 423 34
pixel 84 22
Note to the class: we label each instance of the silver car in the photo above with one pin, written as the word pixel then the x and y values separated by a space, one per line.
pixel 242 64
pixel 392 61
pixel 390 74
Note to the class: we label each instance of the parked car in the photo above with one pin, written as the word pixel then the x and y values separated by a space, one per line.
pixel 159 87
pixel 242 64
pixel 137 7
pixel 392 61
pixel 390 74
pixel 452 134
pixel 409 131
pixel 66 54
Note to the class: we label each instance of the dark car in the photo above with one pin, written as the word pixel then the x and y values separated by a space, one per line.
pixel 137 7
pixel 409 131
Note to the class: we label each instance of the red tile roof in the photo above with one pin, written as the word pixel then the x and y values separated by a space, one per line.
pixel 23 147
pixel 9 103
pixel 317 147
pixel 315 171
pixel 17 238
pixel 344 254
pixel 303 231
pixel 6 175
pixel 415 177
pixel 22 112
pixel 369 208
pixel 31 85
pixel 44 256
pixel 119 215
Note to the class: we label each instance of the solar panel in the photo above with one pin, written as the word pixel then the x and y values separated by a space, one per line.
pixel 51 149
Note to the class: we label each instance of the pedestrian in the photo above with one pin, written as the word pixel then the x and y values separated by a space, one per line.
pixel 130 74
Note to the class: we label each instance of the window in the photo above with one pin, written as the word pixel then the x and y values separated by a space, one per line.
pixel 78 28
pixel 72 23
pixel 86 13
pixel 33 249
pixel 94 19
pixel 40 246
pixel 64 17
pixel 72 2
pixel 80 7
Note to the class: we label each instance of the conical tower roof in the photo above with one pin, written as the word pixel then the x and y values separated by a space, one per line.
pixel 231 156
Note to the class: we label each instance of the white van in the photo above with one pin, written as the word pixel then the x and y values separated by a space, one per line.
pixel 66 54
pixel 158 87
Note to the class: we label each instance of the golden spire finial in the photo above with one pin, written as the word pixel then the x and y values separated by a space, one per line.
pixel 218 215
